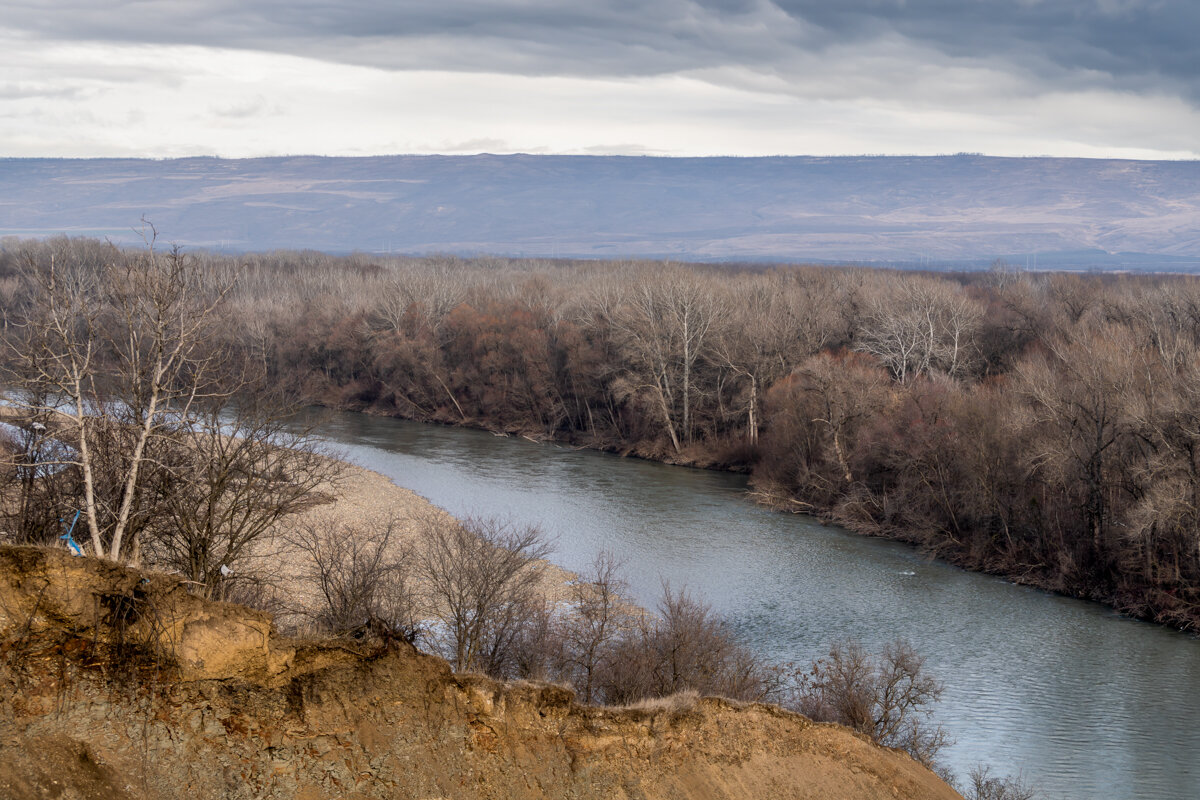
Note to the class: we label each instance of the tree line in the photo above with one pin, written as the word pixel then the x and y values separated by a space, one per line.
pixel 1041 426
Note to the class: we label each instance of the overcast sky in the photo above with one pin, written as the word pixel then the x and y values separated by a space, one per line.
pixel 234 78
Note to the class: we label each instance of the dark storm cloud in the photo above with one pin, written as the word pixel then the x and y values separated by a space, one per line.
pixel 1140 45
pixel 1129 40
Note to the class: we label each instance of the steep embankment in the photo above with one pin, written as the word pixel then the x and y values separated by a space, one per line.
pixel 119 685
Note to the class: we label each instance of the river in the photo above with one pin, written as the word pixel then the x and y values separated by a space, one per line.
pixel 1084 703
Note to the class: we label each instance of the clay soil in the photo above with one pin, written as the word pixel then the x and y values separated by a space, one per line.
pixel 118 684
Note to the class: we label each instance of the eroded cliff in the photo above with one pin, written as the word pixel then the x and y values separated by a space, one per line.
pixel 118 684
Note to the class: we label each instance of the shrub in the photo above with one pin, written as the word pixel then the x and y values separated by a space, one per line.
pixel 888 696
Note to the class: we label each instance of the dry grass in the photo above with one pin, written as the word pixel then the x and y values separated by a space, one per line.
pixel 673 703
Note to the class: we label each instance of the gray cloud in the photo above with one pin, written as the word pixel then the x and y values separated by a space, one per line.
pixel 1138 45
pixel 608 37
pixel 1086 77
pixel 1135 43
pixel 20 91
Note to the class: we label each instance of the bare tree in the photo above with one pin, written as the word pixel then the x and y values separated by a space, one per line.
pixel 362 575
pixel 686 647
pixel 767 328
pixel 1080 394
pixel 481 575
pixel 816 416
pixel 983 784
pixel 118 349
pixel 599 616
pixel 886 696
pixel 663 325
pixel 535 650
pixel 914 326
pixel 432 289
pixel 696 651
pixel 229 477
pixel 168 440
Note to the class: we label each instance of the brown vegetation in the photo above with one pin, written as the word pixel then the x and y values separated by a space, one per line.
pixel 1040 426
pixel 889 696
pixel 140 416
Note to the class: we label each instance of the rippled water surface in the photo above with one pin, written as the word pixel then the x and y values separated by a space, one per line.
pixel 1083 702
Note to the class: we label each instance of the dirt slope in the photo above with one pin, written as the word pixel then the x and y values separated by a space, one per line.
pixel 115 684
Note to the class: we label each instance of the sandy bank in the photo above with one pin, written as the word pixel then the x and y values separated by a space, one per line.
pixel 365 500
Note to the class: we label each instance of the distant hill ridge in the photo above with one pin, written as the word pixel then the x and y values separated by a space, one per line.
pixel 942 211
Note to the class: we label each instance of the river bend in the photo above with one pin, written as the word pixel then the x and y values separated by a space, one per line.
pixel 1087 704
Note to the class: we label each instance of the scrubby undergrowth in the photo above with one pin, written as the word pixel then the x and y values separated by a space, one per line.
pixel 119 684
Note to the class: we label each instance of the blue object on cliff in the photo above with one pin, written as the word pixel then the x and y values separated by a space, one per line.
pixel 71 543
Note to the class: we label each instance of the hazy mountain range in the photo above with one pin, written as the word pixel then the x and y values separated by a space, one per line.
pixel 943 211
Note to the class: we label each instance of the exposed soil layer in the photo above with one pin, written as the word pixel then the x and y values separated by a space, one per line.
pixel 119 684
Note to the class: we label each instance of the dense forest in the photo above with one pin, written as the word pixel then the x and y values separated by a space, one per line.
pixel 1041 426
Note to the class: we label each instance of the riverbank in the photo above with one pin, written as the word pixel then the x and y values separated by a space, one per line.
pixel 360 500
pixel 205 699
pixel 1177 610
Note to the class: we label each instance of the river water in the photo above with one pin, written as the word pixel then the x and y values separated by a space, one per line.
pixel 1086 704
